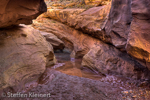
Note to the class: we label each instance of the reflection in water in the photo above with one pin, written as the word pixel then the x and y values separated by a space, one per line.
pixel 72 66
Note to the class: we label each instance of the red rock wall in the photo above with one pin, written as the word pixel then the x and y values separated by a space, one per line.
pixel 14 12
pixel 128 26
pixel 138 44
pixel 118 23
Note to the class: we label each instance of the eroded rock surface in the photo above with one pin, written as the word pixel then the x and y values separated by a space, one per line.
pixel 99 56
pixel 108 60
pixel 96 2
pixel 75 40
pixel 24 55
pixel 62 15
pixel 14 12
pixel 90 21
pixel 138 44
pixel 125 29
pixel 118 24
pixel 54 41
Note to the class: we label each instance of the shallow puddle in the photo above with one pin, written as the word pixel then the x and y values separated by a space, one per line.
pixel 73 67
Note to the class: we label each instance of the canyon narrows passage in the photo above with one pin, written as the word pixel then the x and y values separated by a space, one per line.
pixel 74 50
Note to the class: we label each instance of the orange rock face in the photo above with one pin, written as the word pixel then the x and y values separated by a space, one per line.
pixel 63 15
pixel 76 41
pixel 124 26
pixel 97 56
pixel 96 2
pixel 24 55
pixel 106 59
pixel 138 44
pixel 91 21
pixel 14 12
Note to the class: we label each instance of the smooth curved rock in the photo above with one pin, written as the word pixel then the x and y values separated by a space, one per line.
pixel 14 12
pixel 54 41
pixel 24 55
pixel 74 40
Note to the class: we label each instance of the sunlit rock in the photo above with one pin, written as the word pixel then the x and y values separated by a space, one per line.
pixel 107 59
pixel 24 55
pixel 53 40
pixel 74 40
pixel 138 44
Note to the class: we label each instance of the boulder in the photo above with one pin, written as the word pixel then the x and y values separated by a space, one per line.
pixel 91 21
pixel 14 12
pixel 138 44
pixel 106 59
pixel 54 41
pixel 24 55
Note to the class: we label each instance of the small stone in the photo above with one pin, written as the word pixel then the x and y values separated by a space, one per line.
pixel 134 96
pixel 125 92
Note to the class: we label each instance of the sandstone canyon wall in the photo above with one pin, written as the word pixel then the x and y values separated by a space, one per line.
pixel 111 38
pixel 119 32
pixel 138 43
